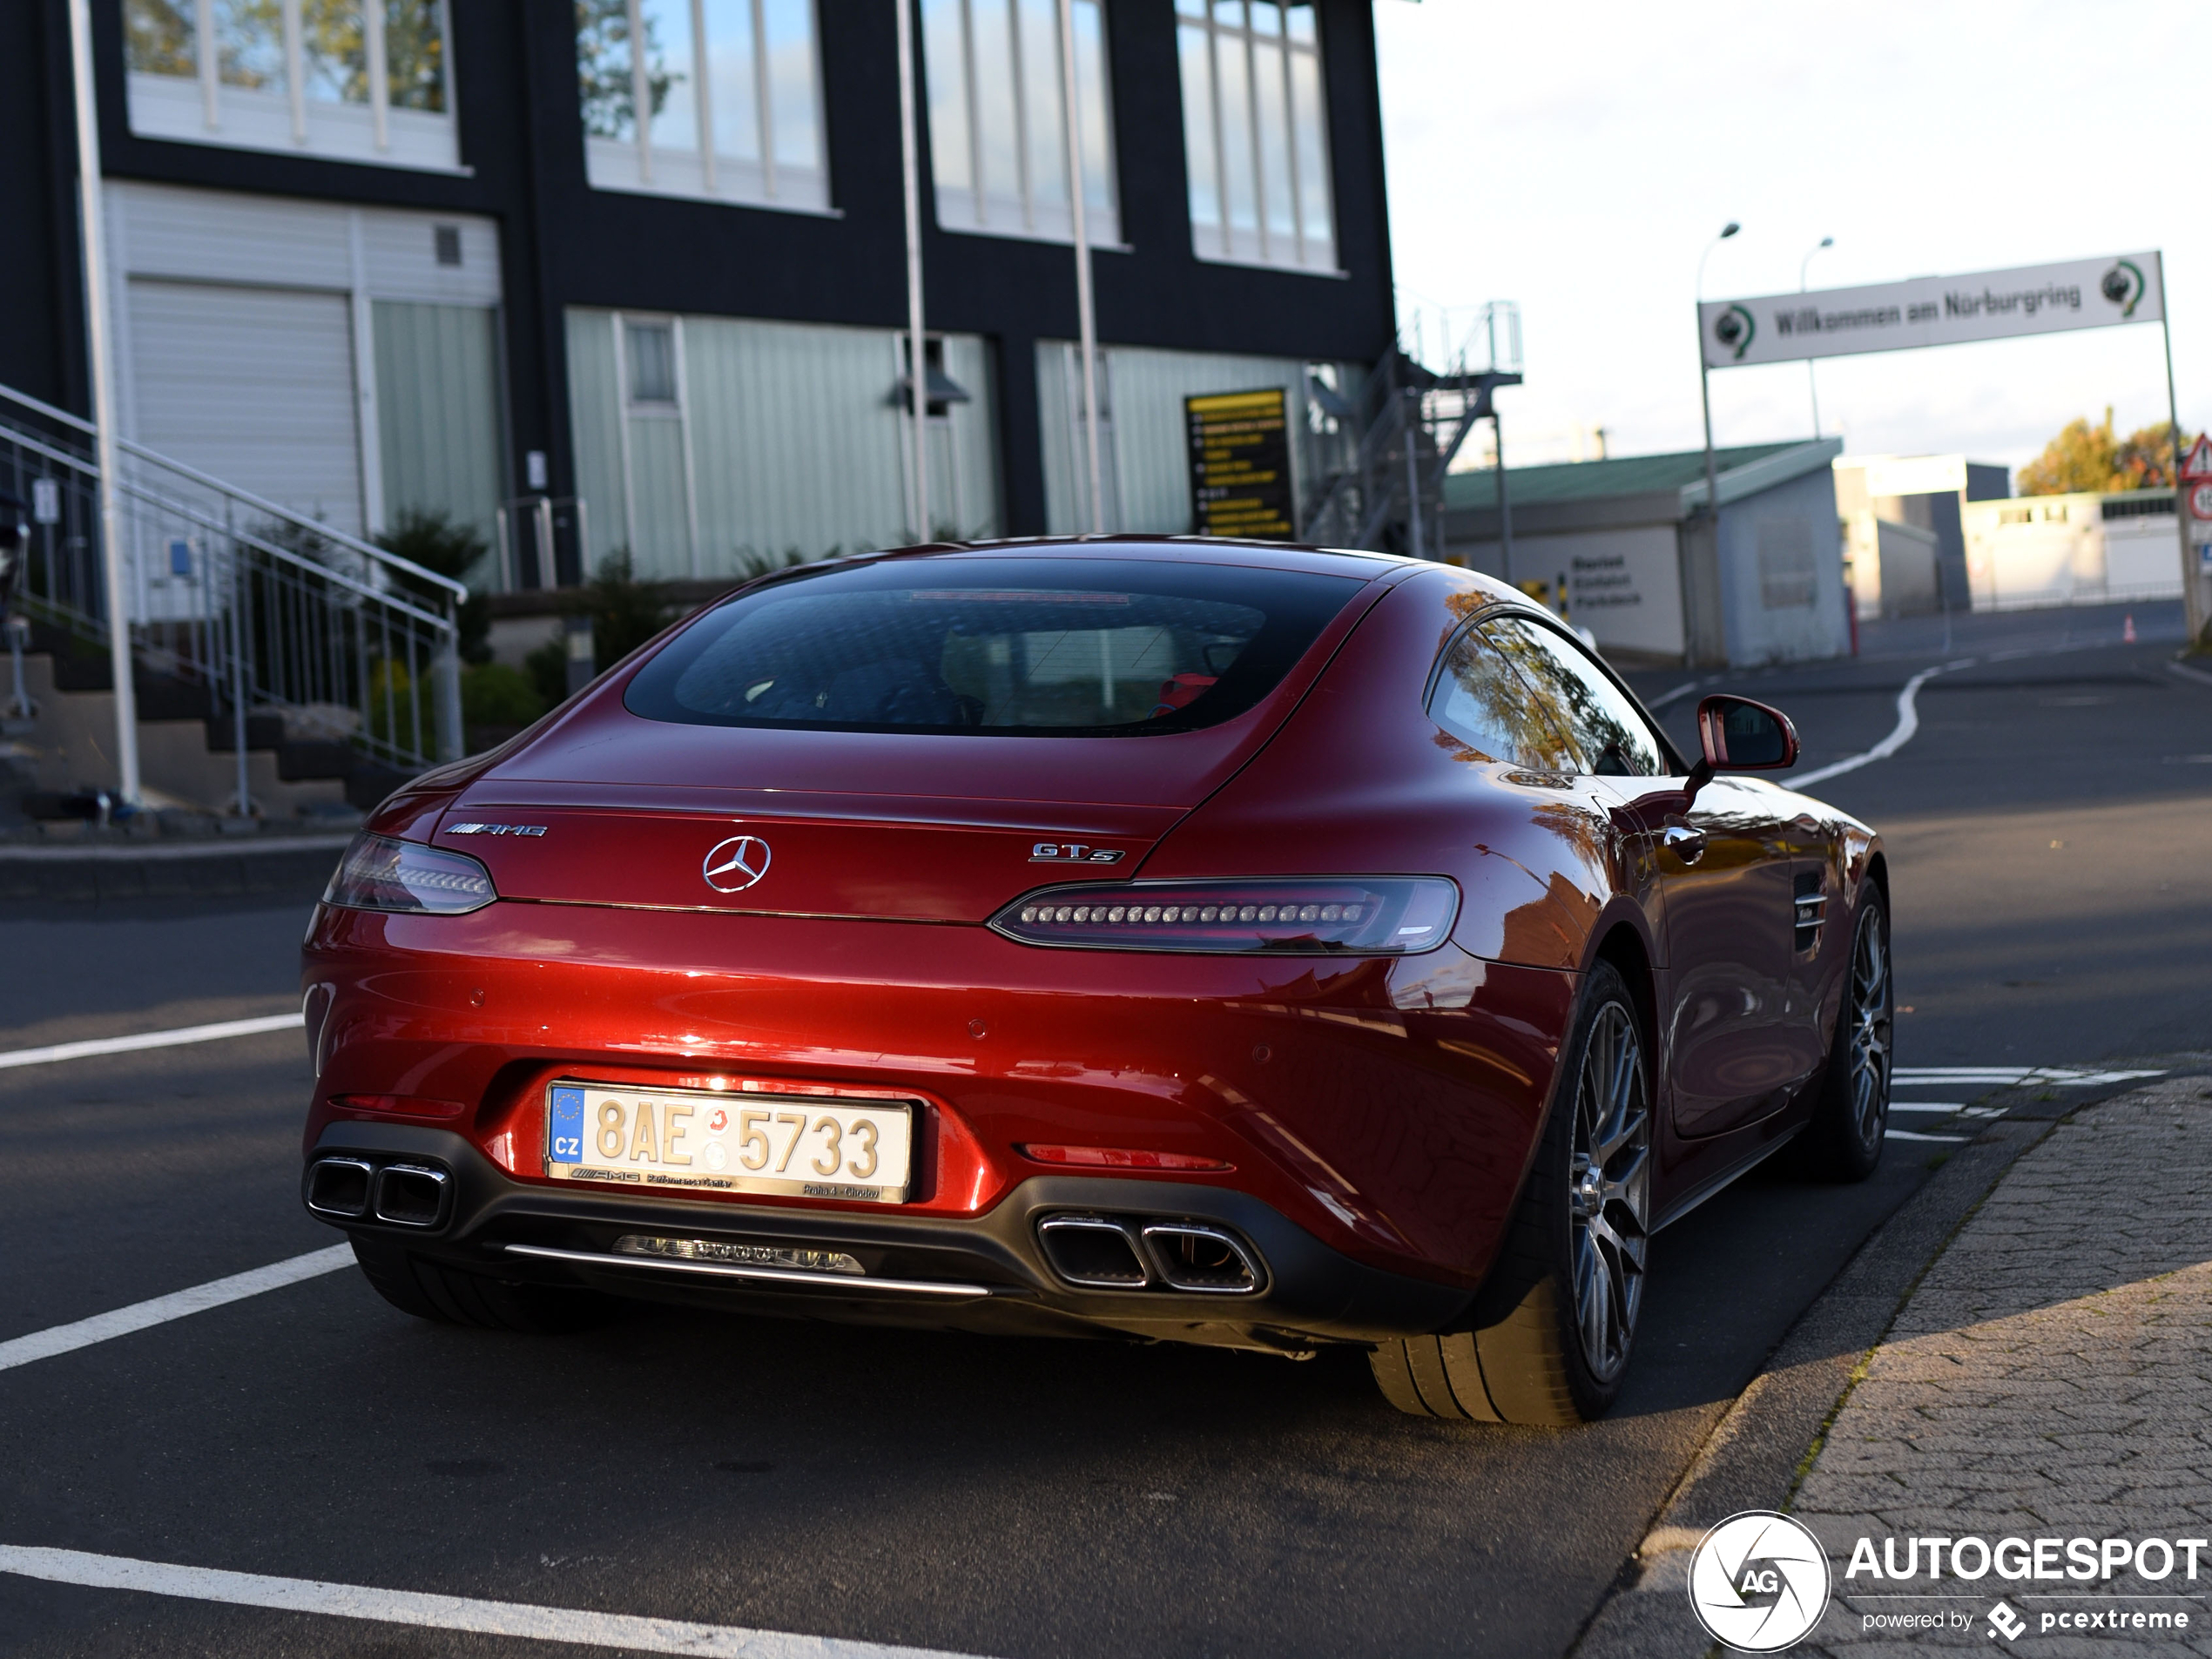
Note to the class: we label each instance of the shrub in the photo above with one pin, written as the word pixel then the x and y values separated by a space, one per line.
pixel 492 694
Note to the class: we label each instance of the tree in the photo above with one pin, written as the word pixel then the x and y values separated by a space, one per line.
pixel 2085 457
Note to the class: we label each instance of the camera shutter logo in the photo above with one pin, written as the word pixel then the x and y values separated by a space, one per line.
pixel 1759 1581
pixel 736 864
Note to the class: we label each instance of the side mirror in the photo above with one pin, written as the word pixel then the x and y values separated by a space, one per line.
pixel 1739 735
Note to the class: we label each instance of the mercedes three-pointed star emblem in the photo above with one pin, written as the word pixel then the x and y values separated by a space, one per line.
pixel 736 864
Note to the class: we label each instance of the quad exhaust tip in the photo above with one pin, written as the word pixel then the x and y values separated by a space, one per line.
pixel 400 1195
pixel 1135 1253
pixel 338 1187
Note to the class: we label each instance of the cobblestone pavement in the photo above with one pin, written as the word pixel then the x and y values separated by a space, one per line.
pixel 2050 1378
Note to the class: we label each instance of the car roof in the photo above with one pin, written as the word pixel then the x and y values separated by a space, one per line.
pixel 1184 549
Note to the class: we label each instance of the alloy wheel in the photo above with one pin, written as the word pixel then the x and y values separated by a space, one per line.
pixel 1870 1030
pixel 1609 1191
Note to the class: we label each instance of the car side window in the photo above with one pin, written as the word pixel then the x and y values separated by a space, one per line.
pixel 1481 700
pixel 1603 727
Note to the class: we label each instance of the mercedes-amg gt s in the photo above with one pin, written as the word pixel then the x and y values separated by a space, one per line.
pixel 1160 938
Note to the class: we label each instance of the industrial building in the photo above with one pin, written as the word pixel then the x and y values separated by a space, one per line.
pixel 1639 562
pixel 2075 550
pixel 1905 541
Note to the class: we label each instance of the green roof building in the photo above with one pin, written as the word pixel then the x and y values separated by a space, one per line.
pixel 1643 565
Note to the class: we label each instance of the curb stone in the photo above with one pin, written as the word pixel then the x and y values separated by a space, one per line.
pixel 294 866
pixel 1761 1449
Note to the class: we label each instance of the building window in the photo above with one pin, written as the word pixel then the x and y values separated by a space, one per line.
pixel 1254 132
pixel 651 347
pixel 997 120
pixel 730 92
pixel 352 80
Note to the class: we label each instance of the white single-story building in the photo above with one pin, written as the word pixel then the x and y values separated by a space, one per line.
pixel 1637 558
pixel 2076 549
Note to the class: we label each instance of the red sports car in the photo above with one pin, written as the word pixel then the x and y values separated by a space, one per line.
pixel 1147 937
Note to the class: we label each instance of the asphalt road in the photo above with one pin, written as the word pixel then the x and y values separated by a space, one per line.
pixel 985 1496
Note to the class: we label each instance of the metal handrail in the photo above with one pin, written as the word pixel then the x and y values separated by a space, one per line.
pixel 306 566
pixel 275 613
pixel 50 411
pixel 259 504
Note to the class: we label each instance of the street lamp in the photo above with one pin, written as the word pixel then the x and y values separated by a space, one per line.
pixel 1704 375
pixel 1812 385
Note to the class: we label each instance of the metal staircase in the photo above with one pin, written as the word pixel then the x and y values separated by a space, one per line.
pixel 271 616
pixel 1411 423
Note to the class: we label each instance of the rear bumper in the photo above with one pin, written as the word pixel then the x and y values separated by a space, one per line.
pixel 988 1273
pixel 1383 1109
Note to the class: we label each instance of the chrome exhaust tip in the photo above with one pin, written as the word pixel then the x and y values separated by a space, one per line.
pixel 1212 1261
pixel 339 1188
pixel 1094 1251
pixel 411 1194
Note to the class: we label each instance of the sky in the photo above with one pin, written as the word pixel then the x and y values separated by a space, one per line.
pixel 1580 159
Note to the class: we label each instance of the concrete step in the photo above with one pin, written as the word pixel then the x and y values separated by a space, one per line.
pixel 184 758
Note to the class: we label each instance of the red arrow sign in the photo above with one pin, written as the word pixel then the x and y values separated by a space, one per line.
pixel 2199 463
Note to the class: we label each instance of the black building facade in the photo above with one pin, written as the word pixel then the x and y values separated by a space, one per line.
pixel 641 333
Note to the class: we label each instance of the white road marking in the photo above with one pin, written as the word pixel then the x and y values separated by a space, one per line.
pixel 1927 1105
pixel 169 1039
pixel 1945 1076
pixel 1908 722
pixel 1914 1134
pixel 1665 697
pixel 102 1327
pixel 2188 673
pixel 438 1612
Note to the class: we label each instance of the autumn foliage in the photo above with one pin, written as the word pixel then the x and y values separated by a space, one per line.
pixel 2085 457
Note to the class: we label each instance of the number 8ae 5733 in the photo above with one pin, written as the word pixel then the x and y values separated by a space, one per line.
pixel 798 1145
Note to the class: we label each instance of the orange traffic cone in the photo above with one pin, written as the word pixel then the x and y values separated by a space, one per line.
pixel 2127 633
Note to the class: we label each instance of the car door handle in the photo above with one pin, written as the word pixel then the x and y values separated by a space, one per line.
pixel 1686 844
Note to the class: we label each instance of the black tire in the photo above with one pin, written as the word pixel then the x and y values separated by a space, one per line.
pixel 1554 1323
pixel 1843 1139
pixel 440 1294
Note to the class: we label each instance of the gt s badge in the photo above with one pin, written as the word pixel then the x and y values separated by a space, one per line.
pixel 1074 852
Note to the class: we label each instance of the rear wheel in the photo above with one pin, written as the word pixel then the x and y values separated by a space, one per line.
pixel 431 1291
pixel 1555 1325
pixel 1843 1141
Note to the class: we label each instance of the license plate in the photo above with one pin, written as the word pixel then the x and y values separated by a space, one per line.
pixel 802 1146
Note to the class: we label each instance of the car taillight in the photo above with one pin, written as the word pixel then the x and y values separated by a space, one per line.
pixel 1357 916
pixel 380 873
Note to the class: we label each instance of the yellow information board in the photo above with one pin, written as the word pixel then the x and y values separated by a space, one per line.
pixel 1240 465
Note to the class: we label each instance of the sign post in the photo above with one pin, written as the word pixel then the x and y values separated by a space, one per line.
pixel 1954 310
pixel 2192 505
pixel 1240 465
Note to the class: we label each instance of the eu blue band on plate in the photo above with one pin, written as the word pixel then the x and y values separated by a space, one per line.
pixel 564 1135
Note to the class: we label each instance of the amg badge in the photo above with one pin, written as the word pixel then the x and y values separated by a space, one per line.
pixel 495 829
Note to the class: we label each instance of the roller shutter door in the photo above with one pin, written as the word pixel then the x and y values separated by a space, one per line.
pixel 252 385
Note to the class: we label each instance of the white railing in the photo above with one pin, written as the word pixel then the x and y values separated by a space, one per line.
pixel 274 612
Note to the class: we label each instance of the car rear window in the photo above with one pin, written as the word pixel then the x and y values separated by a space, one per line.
pixel 1052 647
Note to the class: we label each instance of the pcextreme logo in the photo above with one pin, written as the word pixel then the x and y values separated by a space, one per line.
pixel 1759 1581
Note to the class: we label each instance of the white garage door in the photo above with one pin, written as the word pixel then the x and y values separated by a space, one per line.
pixel 252 385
